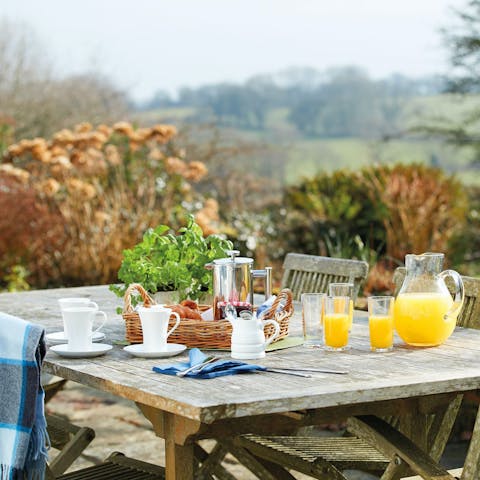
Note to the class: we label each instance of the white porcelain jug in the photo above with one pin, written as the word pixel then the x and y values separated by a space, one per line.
pixel 248 337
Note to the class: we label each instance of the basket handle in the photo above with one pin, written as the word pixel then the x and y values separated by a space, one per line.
pixel 127 298
pixel 286 296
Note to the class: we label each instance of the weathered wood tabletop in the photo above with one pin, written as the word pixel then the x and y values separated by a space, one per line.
pixel 181 408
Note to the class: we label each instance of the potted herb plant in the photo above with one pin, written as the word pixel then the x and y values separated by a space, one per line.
pixel 172 262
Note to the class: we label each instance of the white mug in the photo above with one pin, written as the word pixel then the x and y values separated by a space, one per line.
pixel 79 322
pixel 155 327
pixel 68 302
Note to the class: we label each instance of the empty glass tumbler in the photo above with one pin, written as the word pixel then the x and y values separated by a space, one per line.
pixel 312 318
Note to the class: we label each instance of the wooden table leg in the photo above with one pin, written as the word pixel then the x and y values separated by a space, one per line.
pixel 178 458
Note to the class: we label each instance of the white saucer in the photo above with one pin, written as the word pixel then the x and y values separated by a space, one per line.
pixel 58 338
pixel 96 350
pixel 139 350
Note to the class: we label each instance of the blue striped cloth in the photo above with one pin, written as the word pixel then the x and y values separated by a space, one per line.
pixel 23 434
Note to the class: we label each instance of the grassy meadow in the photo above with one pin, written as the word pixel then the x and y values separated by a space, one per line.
pixel 302 156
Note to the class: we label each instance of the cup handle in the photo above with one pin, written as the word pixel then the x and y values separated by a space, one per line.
pixel 99 312
pixel 276 333
pixel 92 304
pixel 177 323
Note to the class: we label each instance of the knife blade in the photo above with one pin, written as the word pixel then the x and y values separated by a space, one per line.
pixel 318 370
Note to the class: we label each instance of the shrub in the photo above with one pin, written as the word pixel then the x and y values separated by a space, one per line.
pixel 423 207
pixel 331 214
pixel 93 193
pixel 465 242
pixel 378 214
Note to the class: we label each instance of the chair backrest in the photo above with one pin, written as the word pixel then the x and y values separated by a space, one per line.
pixel 470 314
pixel 311 273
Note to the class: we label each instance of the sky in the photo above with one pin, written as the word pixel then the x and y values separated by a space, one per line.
pixel 149 45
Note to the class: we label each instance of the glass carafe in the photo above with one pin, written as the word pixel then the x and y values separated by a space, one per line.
pixel 425 311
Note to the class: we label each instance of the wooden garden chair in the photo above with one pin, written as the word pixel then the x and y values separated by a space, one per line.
pixel 117 466
pixel 325 458
pixel 311 273
pixel 69 439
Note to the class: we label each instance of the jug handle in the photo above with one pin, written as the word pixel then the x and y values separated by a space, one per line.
pixel 276 333
pixel 459 292
pixel 266 273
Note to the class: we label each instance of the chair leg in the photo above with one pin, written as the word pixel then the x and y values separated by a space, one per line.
pixel 471 470
pixel 51 389
pixel 210 464
pixel 72 450
pixel 256 466
pixel 70 440
pixel 392 443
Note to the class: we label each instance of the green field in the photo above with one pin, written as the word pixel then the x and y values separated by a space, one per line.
pixel 302 156
pixel 306 157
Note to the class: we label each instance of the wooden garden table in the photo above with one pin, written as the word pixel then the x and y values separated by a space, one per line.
pixel 407 382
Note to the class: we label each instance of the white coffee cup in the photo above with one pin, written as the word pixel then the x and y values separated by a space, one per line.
pixel 79 323
pixel 155 327
pixel 68 302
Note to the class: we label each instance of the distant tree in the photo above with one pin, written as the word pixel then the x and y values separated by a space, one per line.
pixel 160 99
pixel 463 42
pixel 462 39
pixel 348 104
pixel 341 102
pixel 35 101
pixel 232 105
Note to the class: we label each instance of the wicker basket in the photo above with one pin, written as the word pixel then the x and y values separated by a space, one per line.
pixel 202 334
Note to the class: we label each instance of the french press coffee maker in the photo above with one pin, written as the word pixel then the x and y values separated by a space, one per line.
pixel 233 283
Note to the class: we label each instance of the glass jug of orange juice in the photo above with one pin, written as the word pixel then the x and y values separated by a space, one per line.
pixel 425 313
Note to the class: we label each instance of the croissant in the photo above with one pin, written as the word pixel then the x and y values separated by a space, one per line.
pixel 190 304
pixel 186 312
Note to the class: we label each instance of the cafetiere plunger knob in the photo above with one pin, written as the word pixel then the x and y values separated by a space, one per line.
pixel 233 254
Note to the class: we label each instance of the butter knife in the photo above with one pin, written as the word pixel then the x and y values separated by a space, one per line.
pixel 318 370
pixel 287 372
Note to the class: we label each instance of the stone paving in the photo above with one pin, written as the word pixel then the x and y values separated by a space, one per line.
pixel 120 426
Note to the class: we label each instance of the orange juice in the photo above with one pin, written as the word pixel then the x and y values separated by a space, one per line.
pixel 336 329
pixel 339 305
pixel 381 331
pixel 420 318
pixel 350 315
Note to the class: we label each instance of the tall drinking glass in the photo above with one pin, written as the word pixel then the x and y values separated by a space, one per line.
pixel 336 323
pixel 312 317
pixel 343 290
pixel 380 322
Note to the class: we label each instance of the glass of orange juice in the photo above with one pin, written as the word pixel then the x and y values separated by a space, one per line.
pixel 380 322
pixel 312 319
pixel 336 323
pixel 343 290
